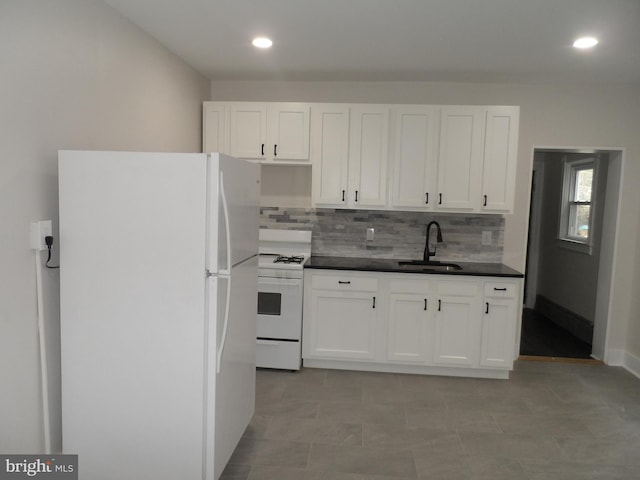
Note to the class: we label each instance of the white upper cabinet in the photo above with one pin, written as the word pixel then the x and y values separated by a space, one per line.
pixel 371 156
pixel 460 158
pixel 500 159
pixel 330 154
pixel 288 132
pixel 274 132
pixel 349 150
pixel 454 158
pixel 248 129
pixel 414 157
pixel 368 156
pixel 214 127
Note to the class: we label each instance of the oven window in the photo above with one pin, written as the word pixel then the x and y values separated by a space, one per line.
pixel 269 303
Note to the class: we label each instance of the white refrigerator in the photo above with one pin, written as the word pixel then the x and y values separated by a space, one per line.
pixel 158 266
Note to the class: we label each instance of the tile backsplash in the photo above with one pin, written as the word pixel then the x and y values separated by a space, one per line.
pixel 397 234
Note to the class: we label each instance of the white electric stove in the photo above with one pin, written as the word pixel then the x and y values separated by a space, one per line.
pixel 280 290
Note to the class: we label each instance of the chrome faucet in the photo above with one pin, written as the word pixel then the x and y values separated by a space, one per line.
pixel 428 253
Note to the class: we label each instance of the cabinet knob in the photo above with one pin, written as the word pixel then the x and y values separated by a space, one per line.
pixel 426 200
pixel 374 303
pixel 439 305
pixel 356 195
pixel 343 192
pixel 344 283
pixel 425 304
pixel 486 309
pixel 262 150
pixel 275 150
pixel 439 199
pixel 485 201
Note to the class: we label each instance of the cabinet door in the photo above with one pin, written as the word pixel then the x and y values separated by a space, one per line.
pixel 460 158
pixel 248 130
pixel 342 324
pixel 368 156
pixel 329 154
pixel 500 158
pixel 288 132
pixel 414 156
pixel 498 333
pixel 457 324
pixel 499 323
pixel 457 331
pixel 409 332
pixel 214 127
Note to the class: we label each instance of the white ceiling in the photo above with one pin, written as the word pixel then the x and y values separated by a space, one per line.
pixel 399 40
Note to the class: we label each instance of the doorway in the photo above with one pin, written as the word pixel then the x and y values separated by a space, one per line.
pixel 568 279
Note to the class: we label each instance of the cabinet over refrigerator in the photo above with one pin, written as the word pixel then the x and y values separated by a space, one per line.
pixel 159 263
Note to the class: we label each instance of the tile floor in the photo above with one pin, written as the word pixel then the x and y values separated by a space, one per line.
pixel 550 421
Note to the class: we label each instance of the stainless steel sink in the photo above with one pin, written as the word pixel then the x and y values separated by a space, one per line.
pixel 423 266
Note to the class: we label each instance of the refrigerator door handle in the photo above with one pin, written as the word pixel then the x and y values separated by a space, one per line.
pixel 225 325
pixel 225 209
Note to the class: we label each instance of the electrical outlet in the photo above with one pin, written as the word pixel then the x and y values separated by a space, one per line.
pixel 39 230
pixel 486 237
pixel 370 232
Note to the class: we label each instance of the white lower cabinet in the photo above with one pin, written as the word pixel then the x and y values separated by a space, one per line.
pixel 498 325
pixel 442 324
pixel 410 321
pixel 457 325
pixel 341 317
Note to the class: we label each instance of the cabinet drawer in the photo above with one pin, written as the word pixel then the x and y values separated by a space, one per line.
pixel 409 286
pixel 499 290
pixel 278 354
pixel 467 289
pixel 345 282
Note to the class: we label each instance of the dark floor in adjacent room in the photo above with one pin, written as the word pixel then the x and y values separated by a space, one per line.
pixel 541 337
pixel 549 421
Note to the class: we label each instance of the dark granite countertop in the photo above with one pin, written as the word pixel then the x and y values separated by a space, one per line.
pixel 391 265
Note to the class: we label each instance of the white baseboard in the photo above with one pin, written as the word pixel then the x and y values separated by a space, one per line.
pixel 614 357
pixel 632 363
pixel 622 358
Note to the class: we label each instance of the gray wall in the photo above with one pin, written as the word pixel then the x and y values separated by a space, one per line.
pixel 75 75
pixel 568 278
pixel 550 115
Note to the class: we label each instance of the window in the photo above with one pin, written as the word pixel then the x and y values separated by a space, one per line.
pixel 578 194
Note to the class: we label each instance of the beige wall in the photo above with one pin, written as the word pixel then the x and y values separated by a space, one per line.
pixel 550 115
pixel 75 74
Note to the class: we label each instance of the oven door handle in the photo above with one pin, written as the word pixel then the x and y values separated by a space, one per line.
pixel 277 281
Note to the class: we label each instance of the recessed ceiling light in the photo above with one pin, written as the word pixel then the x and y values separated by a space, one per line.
pixel 585 42
pixel 262 42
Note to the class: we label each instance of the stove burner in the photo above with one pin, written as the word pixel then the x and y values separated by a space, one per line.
pixel 284 259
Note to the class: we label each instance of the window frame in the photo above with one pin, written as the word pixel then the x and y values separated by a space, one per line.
pixel 571 166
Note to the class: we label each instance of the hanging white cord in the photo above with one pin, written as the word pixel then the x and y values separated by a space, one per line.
pixel 44 378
